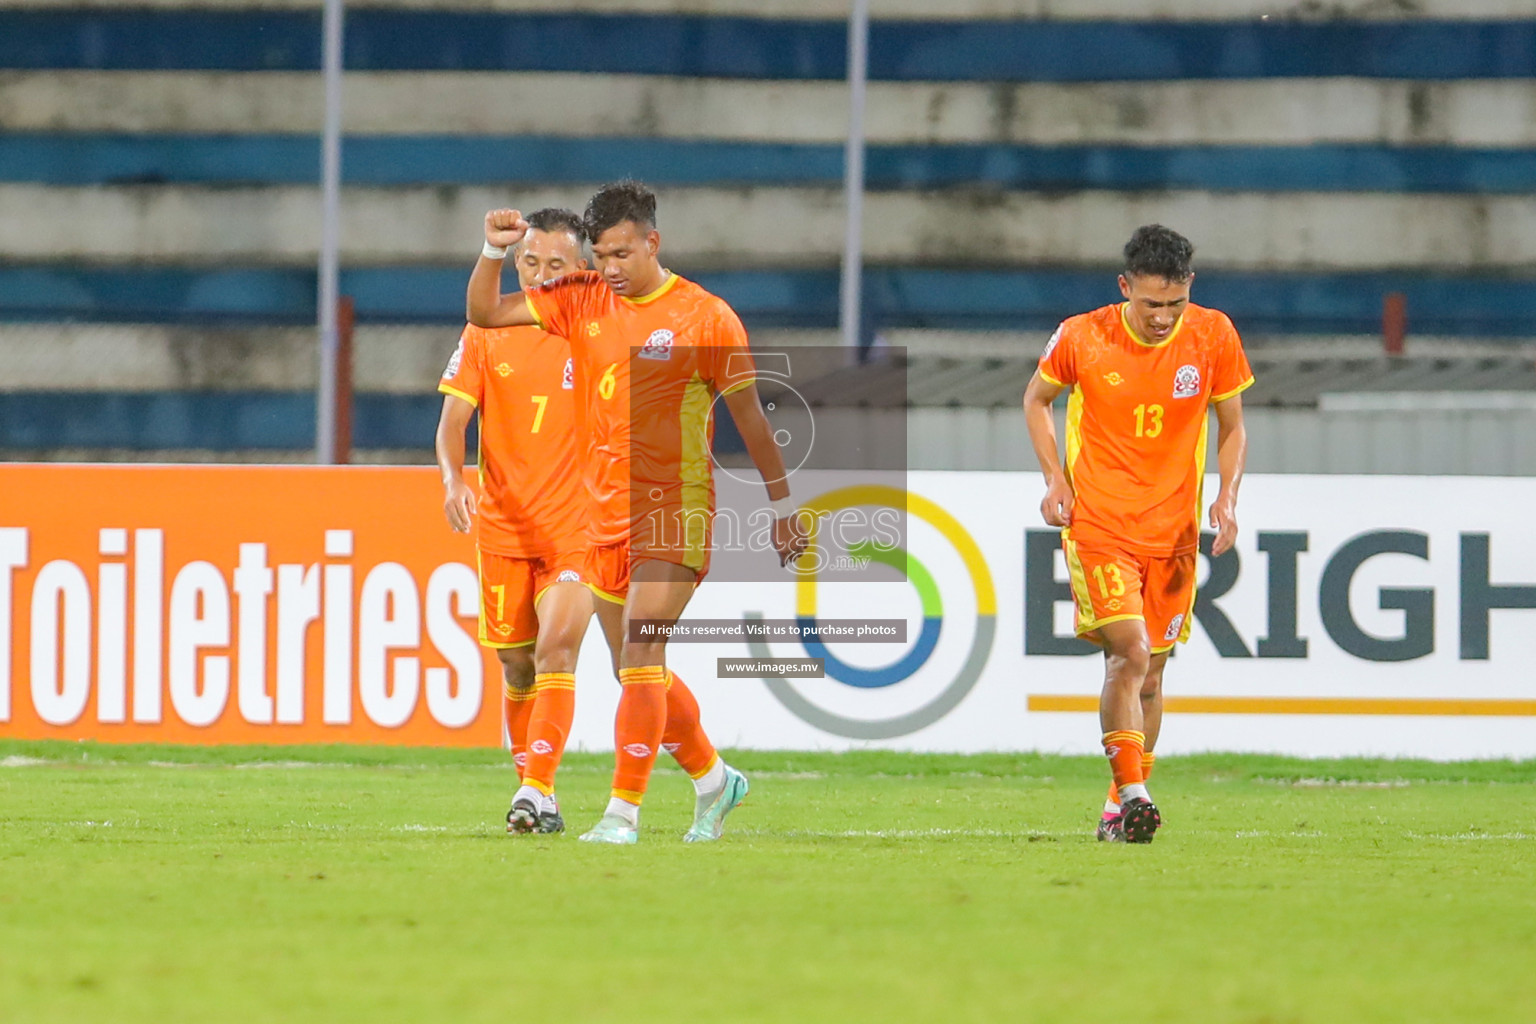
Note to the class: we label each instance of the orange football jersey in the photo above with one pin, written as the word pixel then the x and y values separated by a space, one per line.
pixel 532 503
pixel 647 373
pixel 1136 422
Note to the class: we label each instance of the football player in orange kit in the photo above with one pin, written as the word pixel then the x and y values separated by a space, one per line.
pixel 532 513
pixel 648 468
pixel 1143 374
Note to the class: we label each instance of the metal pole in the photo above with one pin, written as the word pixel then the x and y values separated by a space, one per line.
pixel 853 171
pixel 330 232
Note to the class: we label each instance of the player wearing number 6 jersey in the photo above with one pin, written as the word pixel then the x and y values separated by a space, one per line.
pixel 1143 374
pixel 652 353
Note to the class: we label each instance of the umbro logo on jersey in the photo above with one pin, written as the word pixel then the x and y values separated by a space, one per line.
pixel 658 345
pixel 454 360
pixel 1186 382
pixel 1113 379
pixel 1050 346
pixel 504 369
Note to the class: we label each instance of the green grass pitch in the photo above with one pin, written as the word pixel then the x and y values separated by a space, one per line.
pixel 364 884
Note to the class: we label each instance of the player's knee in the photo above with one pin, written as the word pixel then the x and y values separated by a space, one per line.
pixel 561 658
pixel 516 667
pixel 1152 686
pixel 635 655
pixel 1129 660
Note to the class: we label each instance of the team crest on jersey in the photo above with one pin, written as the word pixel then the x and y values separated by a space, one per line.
pixel 1050 346
pixel 568 378
pixel 1174 625
pixel 658 345
pixel 454 360
pixel 1186 382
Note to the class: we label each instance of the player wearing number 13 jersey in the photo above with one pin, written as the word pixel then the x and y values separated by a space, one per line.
pixel 1143 375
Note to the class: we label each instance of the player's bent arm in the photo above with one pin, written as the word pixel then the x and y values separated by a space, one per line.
pixel 1038 399
pixel 757 433
pixel 1056 507
pixel 1231 443
pixel 746 408
pixel 458 499
pixel 486 306
pixel 1231 459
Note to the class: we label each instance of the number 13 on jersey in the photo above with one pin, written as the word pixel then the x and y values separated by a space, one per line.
pixel 1149 420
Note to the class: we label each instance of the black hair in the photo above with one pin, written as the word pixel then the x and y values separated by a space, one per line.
pixel 1156 251
pixel 554 218
pixel 618 202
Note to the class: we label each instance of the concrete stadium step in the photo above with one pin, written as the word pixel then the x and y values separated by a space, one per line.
pixel 1279 112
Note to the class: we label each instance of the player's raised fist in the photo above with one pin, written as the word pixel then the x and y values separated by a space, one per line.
pixel 505 228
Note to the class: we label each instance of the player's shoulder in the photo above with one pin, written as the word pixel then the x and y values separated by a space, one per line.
pixel 1094 319
pixel 1094 323
pixel 492 335
pixel 1208 321
pixel 703 303
pixel 575 282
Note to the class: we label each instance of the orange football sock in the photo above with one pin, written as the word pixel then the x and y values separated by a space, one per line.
pixel 684 737
pixel 554 706
pixel 638 728
pixel 1147 760
pixel 516 707
pixel 1123 747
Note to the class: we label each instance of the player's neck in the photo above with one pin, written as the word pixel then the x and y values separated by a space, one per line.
pixel 656 283
pixel 1140 336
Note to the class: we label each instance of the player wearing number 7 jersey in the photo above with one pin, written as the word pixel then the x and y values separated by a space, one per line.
pixel 531 515
pixel 1143 375
pixel 653 352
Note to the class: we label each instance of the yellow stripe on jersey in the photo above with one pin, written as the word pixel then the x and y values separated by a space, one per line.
pixel 670 283
pixel 534 310
pixel 1205 430
pixel 456 393
pixel 1125 321
pixel 739 385
pixel 1049 379
pixel 1244 386
pixel 693 469
pixel 1074 428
